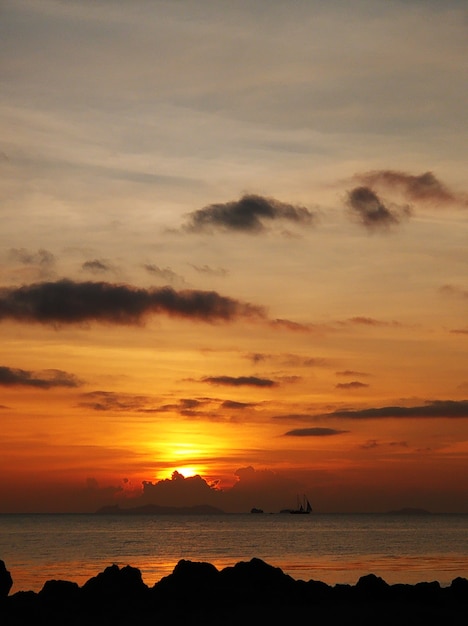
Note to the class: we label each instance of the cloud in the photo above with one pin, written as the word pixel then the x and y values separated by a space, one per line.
pixel 314 432
pixel 354 384
pixel 293 326
pixel 374 443
pixel 212 271
pixel 361 320
pixel 232 404
pixel 42 257
pixel 423 187
pixel 246 215
pixel 445 409
pixel 69 302
pixel 371 211
pixel 240 381
pixel 96 266
pixel 41 263
pixel 165 274
pixel 110 401
pixel 351 373
pixel 454 290
pixel 11 377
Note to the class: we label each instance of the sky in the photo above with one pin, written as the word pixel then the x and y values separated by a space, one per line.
pixel 233 254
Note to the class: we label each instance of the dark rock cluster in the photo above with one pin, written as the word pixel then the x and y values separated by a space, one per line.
pixel 252 592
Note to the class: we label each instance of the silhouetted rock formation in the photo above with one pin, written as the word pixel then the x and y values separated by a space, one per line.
pixel 250 592
pixel 6 580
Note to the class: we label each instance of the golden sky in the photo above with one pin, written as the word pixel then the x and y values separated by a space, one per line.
pixel 233 255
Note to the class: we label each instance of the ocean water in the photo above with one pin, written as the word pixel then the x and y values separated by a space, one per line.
pixel 331 548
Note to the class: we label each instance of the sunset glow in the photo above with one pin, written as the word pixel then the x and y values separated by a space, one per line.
pixel 234 255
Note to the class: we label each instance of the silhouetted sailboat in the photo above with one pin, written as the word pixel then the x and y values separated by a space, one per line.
pixel 303 507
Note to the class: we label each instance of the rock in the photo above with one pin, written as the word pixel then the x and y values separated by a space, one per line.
pixel 6 581
pixel 115 586
pixel 372 587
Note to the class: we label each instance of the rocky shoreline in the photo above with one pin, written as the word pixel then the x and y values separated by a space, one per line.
pixel 250 592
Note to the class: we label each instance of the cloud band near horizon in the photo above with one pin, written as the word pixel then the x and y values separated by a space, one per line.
pixel 70 302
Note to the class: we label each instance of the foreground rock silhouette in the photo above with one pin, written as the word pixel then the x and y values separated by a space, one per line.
pixel 252 592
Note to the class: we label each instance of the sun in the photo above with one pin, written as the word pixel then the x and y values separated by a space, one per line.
pixel 184 470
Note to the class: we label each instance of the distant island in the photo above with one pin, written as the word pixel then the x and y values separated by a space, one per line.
pixel 156 509
pixel 409 511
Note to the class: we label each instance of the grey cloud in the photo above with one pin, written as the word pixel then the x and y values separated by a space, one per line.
pixel 246 215
pixel 111 401
pixel 213 271
pixel 371 211
pixel 96 266
pixel 314 432
pixel 42 257
pixel 232 404
pixel 69 302
pixel 165 274
pixel 445 409
pixel 12 377
pixel 351 373
pixel 423 187
pixel 354 384
pixel 239 381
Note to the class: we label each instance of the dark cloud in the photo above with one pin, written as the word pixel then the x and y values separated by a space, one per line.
pixel 374 443
pixel 423 187
pixel 371 211
pixel 232 404
pixel 433 409
pixel 97 266
pixel 188 407
pixel 246 215
pixel 69 302
pixel 314 432
pixel 289 360
pixel 240 381
pixel 11 377
pixel 354 384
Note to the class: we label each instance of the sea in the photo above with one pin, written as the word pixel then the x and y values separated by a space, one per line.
pixel 333 548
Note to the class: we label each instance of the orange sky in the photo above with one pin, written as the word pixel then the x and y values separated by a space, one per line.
pixel 234 251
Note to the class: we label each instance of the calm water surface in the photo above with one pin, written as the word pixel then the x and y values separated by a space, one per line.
pixel 331 548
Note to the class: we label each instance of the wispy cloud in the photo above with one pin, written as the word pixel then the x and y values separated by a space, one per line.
pixel 210 271
pixel 453 290
pixel 70 302
pixel 45 379
pixel 247 215
pixel 42 261
pixel 424 187
pixel 164 274
pixel 351 373
pixel 111 401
